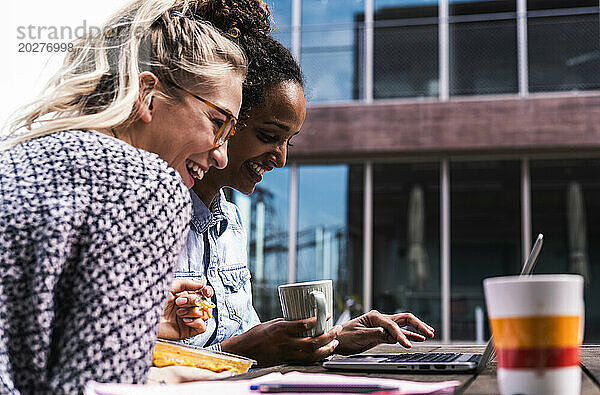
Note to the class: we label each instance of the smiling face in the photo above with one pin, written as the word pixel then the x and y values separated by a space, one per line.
pixel 182 133
pixel 262 145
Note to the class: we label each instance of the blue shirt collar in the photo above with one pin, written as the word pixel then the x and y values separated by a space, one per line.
pixel 204 217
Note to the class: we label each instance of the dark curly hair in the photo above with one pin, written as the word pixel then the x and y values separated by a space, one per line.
pixel 249 17
pixel 249 23
pixel 269 63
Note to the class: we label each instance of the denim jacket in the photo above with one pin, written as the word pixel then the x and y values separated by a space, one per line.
pixel 215 251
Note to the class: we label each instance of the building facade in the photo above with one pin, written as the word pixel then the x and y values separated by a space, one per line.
pixel 441 137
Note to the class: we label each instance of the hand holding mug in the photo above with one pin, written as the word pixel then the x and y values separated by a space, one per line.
pixel 305 300
pixel 280 341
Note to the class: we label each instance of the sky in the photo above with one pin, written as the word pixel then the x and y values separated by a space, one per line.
pixel 24 73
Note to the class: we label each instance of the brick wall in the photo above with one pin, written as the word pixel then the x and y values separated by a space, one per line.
pixel 536 124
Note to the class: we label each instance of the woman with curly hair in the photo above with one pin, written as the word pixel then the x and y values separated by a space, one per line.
pixel 273 110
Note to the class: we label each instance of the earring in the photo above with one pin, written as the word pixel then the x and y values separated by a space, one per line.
pixel 149 102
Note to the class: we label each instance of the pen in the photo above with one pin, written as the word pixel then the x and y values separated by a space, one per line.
pixel 320 388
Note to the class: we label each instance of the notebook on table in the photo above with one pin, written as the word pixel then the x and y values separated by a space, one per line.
pixel 450 362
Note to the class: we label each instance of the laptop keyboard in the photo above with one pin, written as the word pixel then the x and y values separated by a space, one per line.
pixel 476 358
pixel 424 357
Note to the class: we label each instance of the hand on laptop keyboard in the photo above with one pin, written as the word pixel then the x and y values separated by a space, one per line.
pixel 373 328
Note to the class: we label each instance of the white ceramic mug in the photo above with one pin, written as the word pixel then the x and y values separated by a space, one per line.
pixel 306 300
pixel 537 325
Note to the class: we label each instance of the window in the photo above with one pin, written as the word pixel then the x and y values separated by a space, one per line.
pixel 281 11
pixel 406 242
pixel 483 47
pixel 329 243
pixel 265 215
pixel 563 45
pixel 485 237
pixel 565 207
pixel 330 30
pixel 405 49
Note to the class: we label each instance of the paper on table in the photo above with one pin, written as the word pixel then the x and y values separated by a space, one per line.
pixel 217 387
pixel 242 387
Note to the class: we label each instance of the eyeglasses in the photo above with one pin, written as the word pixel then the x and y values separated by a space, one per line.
pixel 227 129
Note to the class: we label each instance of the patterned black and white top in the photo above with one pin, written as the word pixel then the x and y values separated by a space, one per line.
pixel 90 230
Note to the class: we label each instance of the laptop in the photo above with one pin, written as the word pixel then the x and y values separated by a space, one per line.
pixel 430 361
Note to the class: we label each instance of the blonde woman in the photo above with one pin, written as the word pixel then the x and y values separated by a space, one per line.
pixel 94 198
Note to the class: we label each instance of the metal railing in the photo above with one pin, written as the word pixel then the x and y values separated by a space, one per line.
pixel 562 53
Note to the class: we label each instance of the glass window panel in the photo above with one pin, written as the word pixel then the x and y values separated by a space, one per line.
pixel 328 12
pixel 405 49
pixel 265 215
pixel 483 47
pixel 560 189
pixel 564 52
pixel 406 241
pixel 281 11
pixel 329 57
pixel 329 241
pixel 283 34
pixel 533 5
pixel 485 236
pixel 472 7
pixel 405 8
pixel 330 74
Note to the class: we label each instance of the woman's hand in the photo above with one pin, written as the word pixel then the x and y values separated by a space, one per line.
pixel 275 341
pixel 373 328
pixel 182 318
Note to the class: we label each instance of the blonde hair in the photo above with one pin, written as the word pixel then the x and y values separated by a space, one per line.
pixel 98 84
